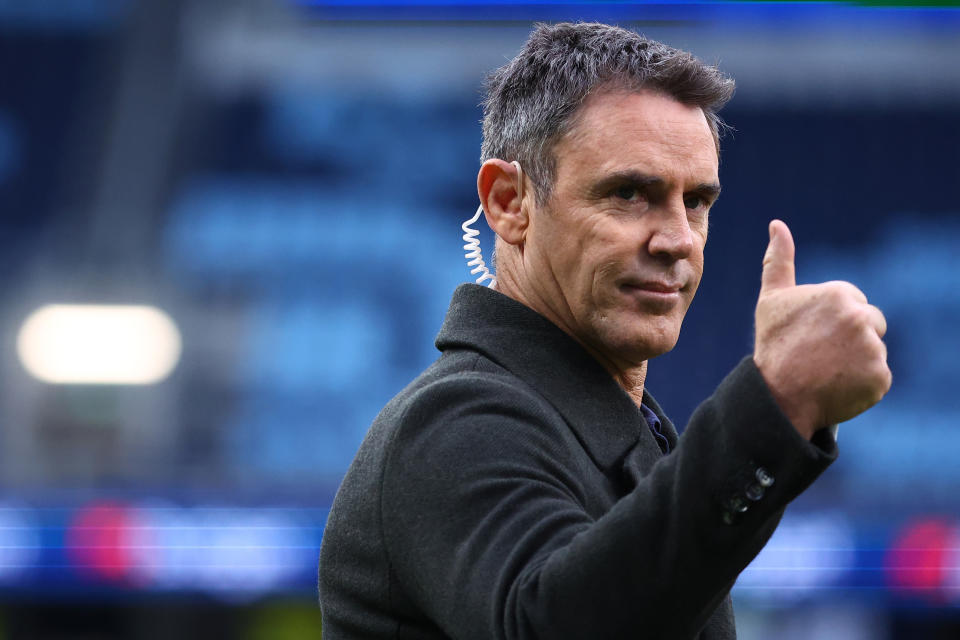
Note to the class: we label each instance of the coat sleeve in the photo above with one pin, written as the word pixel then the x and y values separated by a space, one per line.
pixel 487 531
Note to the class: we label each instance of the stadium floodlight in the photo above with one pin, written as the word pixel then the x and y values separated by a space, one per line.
pixel 99 344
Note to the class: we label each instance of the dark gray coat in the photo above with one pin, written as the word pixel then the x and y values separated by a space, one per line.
pixel 513 490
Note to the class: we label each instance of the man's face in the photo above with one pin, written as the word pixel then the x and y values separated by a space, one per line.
pixel 617 253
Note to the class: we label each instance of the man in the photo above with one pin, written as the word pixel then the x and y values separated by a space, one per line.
pixel 526 485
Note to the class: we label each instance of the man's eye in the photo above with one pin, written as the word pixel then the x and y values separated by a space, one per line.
pixel 627 193
pixel 693 202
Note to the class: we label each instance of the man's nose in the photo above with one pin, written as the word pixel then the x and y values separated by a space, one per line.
pixel 672 236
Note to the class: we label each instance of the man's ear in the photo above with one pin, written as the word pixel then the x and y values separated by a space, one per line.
pixel 498 186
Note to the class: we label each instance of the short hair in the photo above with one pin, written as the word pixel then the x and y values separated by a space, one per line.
pixel 533 100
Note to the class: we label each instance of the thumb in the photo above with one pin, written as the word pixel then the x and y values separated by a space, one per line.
pixel 778 269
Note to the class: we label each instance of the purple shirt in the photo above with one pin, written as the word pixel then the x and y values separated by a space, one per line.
pixel 654 423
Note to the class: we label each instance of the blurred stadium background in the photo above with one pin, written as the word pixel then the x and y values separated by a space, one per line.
pixel 263 200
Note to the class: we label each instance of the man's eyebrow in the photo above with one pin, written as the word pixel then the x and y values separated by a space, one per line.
pixel 644 180
pixel 710 189
pixel 626 178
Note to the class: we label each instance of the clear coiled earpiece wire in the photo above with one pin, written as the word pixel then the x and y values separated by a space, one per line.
pixel 472 240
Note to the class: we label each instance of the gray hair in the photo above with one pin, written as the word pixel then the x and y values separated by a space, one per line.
pixel 534 99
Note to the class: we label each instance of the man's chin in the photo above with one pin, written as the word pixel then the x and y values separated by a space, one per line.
pixel 638 349
pixel 650 340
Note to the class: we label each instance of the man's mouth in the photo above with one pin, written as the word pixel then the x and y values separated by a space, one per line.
pixel 653 286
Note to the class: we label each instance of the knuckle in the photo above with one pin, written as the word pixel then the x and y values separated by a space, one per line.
pixel 880 351
pixel 833 288
pixel 843 290
pixel 881 382
pixel 864 316
pixel 856 313
pixel 853 315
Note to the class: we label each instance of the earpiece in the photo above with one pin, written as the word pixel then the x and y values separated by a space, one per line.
pixel 519 179
pixel 472 240
pixel 472 249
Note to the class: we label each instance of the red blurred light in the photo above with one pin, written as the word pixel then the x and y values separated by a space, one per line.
pixel 919 558
pixel 99 539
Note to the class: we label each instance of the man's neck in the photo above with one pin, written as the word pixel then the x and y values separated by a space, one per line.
pixel 632 382
pixel 630 379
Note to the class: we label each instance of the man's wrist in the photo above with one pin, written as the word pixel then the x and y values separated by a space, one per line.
pixel 801 417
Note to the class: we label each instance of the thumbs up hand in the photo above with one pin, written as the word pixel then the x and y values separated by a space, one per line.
pixel 819 347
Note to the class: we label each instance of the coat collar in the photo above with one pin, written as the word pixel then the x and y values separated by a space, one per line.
pixel 520 340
